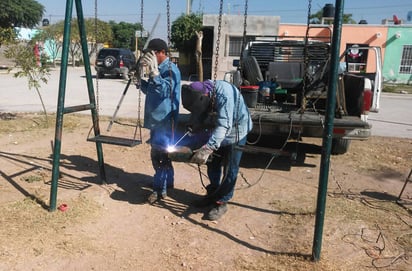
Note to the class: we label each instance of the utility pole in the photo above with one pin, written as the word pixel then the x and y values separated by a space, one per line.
pixel 189 7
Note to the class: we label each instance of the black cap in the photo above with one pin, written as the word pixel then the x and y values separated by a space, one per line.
pixel 156 45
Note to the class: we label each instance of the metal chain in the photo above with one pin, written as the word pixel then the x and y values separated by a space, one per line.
pixel 141 16
pixel 139 95
pixel 170 68
pixel 219 29
pixel 168 25
pixel 244 34
pixel 97 74
pixel 240 65
pixel 306 58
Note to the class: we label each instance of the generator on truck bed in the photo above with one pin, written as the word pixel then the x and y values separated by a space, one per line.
pixel 285 81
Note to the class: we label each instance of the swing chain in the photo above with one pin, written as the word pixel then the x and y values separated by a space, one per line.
pixel 170 69
pixel 219 29
pixel 306 59
pixel 141 14
pixel 97 75
pixel 168 24
pixel 244 33
pixel 135 77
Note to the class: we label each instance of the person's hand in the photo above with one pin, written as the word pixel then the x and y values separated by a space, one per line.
pixel 201 155
pixel 149 60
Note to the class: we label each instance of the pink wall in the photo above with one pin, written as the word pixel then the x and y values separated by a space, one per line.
pixel 374 35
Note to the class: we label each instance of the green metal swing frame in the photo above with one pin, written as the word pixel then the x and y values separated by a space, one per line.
pixel 98 138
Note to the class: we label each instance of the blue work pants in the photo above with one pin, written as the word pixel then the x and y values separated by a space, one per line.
pixel 222 171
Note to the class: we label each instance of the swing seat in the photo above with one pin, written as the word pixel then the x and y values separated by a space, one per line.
pixel 113 140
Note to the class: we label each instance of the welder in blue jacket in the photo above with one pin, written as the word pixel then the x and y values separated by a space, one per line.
pixel 230 124
pixel 162 89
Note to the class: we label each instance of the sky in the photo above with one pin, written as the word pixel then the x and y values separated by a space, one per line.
pixel 290 11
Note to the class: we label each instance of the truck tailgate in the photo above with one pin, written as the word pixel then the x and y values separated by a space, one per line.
pixel 308 124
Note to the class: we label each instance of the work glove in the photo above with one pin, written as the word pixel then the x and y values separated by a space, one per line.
pixel 149 60
pixel 201 155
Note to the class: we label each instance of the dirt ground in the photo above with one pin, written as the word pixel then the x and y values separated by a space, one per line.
pixel 269 225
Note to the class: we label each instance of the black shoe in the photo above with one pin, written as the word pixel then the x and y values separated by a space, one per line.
pixel 163 195
pixel 205 201
pixel 152 198
pixel 219 209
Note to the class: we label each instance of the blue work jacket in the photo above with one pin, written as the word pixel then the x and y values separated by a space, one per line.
pixel 162 98
pixel 232 119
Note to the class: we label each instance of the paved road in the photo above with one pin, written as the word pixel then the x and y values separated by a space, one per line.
pixel 393 119
pixel 16 97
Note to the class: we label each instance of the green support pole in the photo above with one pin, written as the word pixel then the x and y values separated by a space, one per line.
pixel 60 105
pixel 92 99
pixel 328 131
pixel 62 93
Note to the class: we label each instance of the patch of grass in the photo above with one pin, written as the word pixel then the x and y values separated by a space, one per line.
pixel 283 263
pixel 30 229
pixel 22 123
pixel 365 209
pixel 306 207
pixel 397 88
pixel 32 178
pixel 28 214
pixel 34 121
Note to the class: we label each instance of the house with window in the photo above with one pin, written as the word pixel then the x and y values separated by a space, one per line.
pixel 397 65
pixel 395 42
pixel 231 29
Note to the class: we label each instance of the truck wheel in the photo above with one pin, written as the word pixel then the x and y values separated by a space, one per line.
pixel 251 70
pixel 340 146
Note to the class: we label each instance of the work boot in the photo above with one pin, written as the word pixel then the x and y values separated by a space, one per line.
pixel 203 202
pixel 152 198
pixel 219 209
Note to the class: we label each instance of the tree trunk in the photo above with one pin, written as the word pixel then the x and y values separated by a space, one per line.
pixel 199 62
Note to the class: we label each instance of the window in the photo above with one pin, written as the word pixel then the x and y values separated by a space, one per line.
pixel 406 60
pixel 235 46
pixel 356 59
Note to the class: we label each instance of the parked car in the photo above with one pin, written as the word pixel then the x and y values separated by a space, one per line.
pixel 114 61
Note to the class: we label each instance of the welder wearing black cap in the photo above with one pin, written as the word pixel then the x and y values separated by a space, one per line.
pixel 162 89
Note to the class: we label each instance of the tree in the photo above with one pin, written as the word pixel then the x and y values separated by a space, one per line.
pixel 317 18
pixel 97 31
pixel 18 13
pixel 124 34
pixel 7 35
pixel 26 60
pixel 183 32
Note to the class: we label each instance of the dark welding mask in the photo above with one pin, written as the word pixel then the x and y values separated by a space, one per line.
pixel 194 101
pixel 198 104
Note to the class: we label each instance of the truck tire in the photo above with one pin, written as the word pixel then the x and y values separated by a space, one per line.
pixel 109 62
pixel 251 70
pixel 340 146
